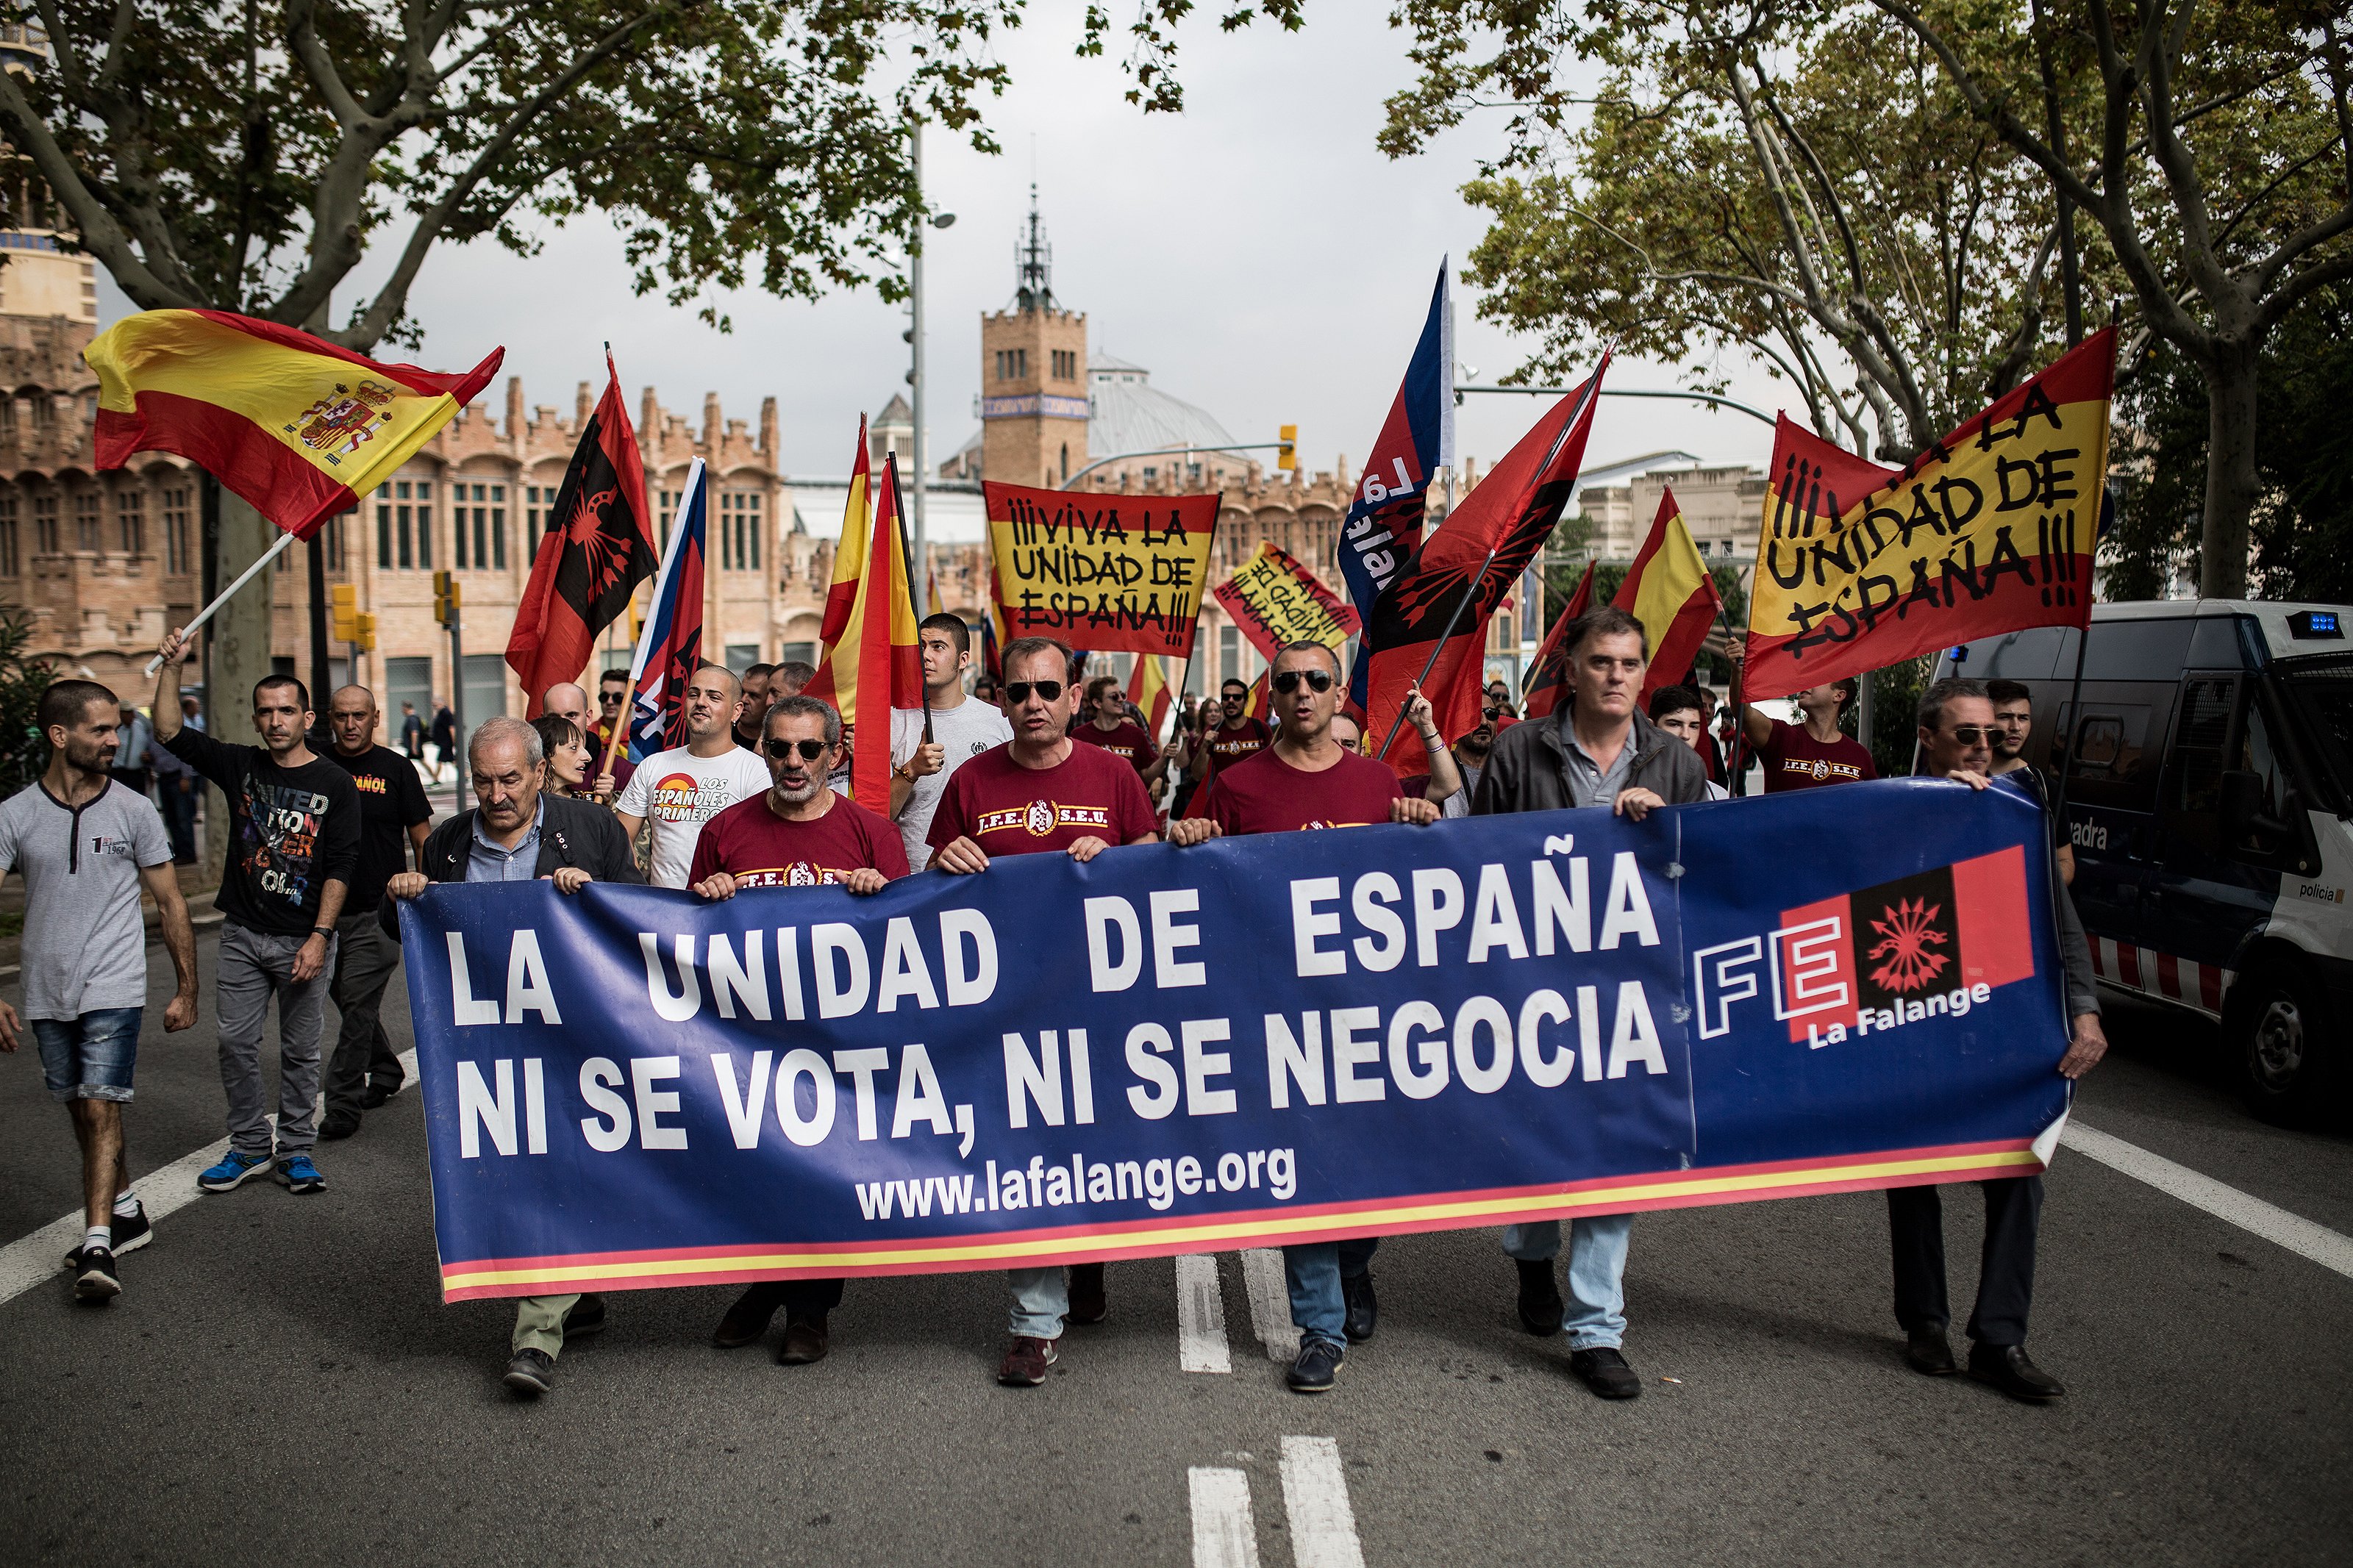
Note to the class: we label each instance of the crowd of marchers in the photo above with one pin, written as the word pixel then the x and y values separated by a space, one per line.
pixel 329 829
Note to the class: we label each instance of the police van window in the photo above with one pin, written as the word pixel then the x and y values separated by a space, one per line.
pixel 2193 781
pixel 2136 650
pixel 2114 764
pixel 2215 643
pixel 2030 655
pixel 2320 697
pixel 2256 756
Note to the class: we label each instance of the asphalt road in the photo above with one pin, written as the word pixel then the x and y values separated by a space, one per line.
pixel 279 1383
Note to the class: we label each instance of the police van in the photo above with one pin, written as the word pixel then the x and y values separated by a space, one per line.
pixel 2210 802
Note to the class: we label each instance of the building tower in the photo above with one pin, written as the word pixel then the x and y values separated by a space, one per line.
pixel 1033 371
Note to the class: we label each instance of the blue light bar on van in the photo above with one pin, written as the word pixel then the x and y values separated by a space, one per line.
pixel 2306 625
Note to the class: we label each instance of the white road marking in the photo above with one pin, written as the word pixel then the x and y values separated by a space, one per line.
pixel 30 1260
pixel 1316 1497
pixel 1201 1334
pixel 1270 1301
pixel 1223 1533
pixel 2250 1213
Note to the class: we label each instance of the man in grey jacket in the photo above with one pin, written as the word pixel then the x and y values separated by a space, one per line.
pixel 1596 751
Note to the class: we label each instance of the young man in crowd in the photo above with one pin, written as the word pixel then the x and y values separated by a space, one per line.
pixel 962 728
pixel 799 834
pixel 612 708
pixel 1682 712
pixel 1596 751
pixel 751 708
pixel 1958 734
pixel 518 831
pixel 295 844
pixel 85 846
pixel 790 679
pixel 1235 736
pixel 1094 801
pixel 394 816
pixel 680 789
pixel 1108 726
pixel 1816 752
pixel 2013 725
pixel 1307 778
pixel 1454 771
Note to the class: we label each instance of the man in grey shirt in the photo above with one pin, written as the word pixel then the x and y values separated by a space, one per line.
pixel 962 728
pixel 85 845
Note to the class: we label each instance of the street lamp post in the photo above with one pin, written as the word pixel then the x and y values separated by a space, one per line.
pixel 919 592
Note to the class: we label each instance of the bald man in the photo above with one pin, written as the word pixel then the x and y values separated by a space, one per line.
pixel 680 789
pixel 364 1072
pixel 568 699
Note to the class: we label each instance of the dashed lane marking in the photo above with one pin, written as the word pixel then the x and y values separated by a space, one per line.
pixel 33 1259
pixel 1201 1325
pixel 1316 1499
pixel 1224 1536
pixel 2251 1214
pixel 1270 1302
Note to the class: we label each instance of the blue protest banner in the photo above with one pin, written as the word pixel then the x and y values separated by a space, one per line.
pixel 1247 1043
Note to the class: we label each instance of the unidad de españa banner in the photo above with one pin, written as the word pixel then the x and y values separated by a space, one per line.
pixel 1991 530
pixel 1108 572
pixel 1247 1043
pixel 1278 602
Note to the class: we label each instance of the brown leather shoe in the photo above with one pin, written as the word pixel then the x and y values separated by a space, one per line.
pixel 1087 1302
pixel 1025 1361
pixel 748 1318
pixel 804 1341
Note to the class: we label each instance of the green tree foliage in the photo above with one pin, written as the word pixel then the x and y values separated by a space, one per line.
pixel 23 753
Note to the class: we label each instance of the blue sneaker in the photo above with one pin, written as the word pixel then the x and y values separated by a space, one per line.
pixel 297 1174
pixel 236 1169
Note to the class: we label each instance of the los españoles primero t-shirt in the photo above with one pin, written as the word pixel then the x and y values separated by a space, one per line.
pixel 677 791
pixel 1263 794
pixel 760 849
pixel 1008 810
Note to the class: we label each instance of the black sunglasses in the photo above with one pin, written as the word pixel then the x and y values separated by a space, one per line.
pixel 1317 680
pixel 1971 734
pixel 810 751
pixel 1017 691
pixel 608 698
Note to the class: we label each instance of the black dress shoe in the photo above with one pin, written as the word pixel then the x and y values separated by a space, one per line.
pixel 1363 1306
pixel 1606 1372
pixel 1927 1351
pixel 806 1341
pixel 370 1097
pixel 749 1318
pixel 2006 1367
pixel 339 1124
pixel 531 1373
pixel 1539 1299
pixel 1089 1301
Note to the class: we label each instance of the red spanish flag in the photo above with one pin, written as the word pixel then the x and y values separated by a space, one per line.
pixel 1147 689
pixel 1989 530
pixel 298 426
pixel 871 648
pixel 1668 589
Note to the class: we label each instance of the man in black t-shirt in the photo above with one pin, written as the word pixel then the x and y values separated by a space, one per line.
pixel 365 1072
pixel 294 821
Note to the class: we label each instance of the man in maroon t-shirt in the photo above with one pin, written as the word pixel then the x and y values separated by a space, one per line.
pixel 1038 792
pixel 1108 726
pixel 1308 779
pixel 1236 736
pixel 797 834
pixel 1816 752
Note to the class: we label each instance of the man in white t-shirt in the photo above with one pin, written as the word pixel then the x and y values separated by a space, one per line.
pixel 680 789
pixel 962 728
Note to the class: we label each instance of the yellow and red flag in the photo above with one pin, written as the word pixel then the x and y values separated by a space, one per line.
pixel 1276 601
pixel 1989 530
pixel 295 424
pixel 871 646
pixel 1668 589
pixel 1147 689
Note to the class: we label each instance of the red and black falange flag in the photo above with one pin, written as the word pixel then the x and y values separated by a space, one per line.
pixel 596 549
pixel 1548 674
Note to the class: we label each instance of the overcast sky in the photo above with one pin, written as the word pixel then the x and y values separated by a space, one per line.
pixel 1256 253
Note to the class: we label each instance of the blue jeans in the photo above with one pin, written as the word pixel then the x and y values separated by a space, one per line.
pixel 1595 1310
pixel 1313 1271
pixel 91 1056
pixel 1041 1299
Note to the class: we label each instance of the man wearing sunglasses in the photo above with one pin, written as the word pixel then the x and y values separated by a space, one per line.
pixel 1108 726
pixel 1307 778
pixel 1039 792
pixel 799 834
pixel 961 729
pixel 1236 738
pixel 1957 741
pixel 680 789
pixel 1596 751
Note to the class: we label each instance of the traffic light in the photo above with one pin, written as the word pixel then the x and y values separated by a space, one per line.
pixel 1287 457
pixel 343 603
pixel 444 597
pixel 362 636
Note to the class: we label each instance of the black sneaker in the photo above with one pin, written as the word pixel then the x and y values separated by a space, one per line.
pixel 1364 1307
pixel 1089 1301
pixel 1317 1367
pixel 94 1280
pixel 338 1124
pixel 130 1236
pixel 1606 1372
pixel 531 1373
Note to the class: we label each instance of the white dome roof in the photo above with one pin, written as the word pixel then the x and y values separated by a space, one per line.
pixel 1129 415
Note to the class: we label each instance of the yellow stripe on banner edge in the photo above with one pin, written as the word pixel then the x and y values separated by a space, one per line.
pixel 1205 1236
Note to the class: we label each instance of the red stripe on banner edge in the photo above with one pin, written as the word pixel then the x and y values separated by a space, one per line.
pixel 290 492
pixel 618 1270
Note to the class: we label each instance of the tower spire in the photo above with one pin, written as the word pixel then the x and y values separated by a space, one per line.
pixel 1034 263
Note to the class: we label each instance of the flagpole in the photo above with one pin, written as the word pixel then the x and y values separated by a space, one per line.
pixel 661 586
pixel 907 555
pixel 1469 589
pixel 226 595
